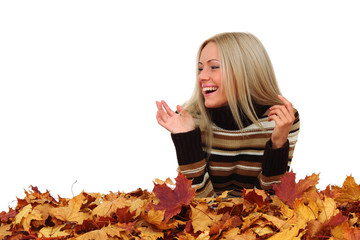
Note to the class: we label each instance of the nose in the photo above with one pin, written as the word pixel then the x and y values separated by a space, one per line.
pixel 204 75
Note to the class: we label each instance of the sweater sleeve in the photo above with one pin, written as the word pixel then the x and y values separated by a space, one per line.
pixel 192 161
pixel 276 162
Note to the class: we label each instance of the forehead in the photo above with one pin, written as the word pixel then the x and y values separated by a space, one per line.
pixel 209 52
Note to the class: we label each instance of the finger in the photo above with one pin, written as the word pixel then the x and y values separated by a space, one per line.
pixel 159 119
pixel 283 115
pixel 276 119
pixel 168 110
pixel 162 114
pixel 287 104
pixel 181 110
pixel 290 117
pixel 162 123
pixel 276 115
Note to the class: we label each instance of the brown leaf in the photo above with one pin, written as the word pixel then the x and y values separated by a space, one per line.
pixel 256 196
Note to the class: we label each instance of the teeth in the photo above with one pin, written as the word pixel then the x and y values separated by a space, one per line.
pixel 205 89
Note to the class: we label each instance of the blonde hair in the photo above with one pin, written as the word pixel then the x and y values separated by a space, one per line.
pixel 248 74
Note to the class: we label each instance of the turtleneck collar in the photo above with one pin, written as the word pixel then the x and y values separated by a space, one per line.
pixel 222 116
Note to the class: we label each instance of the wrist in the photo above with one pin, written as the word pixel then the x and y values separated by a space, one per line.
pixel 277 143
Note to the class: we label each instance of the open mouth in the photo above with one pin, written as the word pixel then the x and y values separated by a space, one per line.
pixel 209 90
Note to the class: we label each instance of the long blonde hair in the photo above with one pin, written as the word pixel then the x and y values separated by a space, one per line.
pixel 248 74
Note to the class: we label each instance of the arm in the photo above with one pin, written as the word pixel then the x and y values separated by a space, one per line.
pixel 192 161
pixel 276 162
pixel 187 141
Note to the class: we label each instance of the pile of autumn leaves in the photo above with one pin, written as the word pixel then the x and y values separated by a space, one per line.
pixel 297 211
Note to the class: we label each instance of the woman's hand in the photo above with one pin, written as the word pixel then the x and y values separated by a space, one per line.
pixel 173 122
pixel 284 117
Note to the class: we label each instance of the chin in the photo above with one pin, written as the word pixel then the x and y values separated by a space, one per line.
pixel 214 104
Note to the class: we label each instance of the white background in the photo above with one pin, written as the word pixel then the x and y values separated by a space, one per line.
pixel 79 81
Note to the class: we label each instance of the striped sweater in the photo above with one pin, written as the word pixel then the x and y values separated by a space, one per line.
pixel 238 159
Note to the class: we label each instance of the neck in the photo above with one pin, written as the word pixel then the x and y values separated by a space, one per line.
pixel 222 116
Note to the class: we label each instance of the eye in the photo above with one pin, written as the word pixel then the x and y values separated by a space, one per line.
pixel 215 67
pixel 200 69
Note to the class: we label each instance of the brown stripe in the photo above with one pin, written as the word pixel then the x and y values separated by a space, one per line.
pixel 208 188
pixel 268 180
pixel 236 170
pixel 196 174
pixel 234 182
pixel 193 165
pixel 230 164
pixel 236 143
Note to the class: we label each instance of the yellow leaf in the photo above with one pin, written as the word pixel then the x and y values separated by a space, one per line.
pixel 137 206
pixel 23 213
pixel 154 217
pixel 349 192
pixel 5 231
pixel 107 208
pixel 250 219
pixel 262 230
pixel 149 234
pixel 49 232
pixel 248 235
pixel 94 235
pixel 44 209
pixel 167 181
pixel 303 213
pixel 328 209
pixel 287 234
pixel 277 222
pixel 33 215
pixel 231 233
pixel 338 231
pixel 71 213
pixel 201 219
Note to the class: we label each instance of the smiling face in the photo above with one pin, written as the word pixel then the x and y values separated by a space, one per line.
pixel 209 77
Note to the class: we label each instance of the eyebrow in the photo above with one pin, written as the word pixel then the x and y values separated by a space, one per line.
pixel 210 61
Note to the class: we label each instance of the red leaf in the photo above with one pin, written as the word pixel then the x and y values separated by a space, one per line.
pixel 124 215
pixel 288 190
pixel 4 217
pixel 255 196
pixel 172 200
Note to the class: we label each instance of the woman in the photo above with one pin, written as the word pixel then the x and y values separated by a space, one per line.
pixel 236 131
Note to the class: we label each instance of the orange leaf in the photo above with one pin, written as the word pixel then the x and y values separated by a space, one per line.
pixel 350 191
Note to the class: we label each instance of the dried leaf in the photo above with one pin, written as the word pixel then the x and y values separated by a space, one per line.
pixel 288 190
pixel 172 200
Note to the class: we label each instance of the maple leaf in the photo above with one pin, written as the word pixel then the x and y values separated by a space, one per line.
pixel 51 232
pixel 5 231
pixel 26 215
pixel 256 196
pixel 349 192
pixel 288 190
pixel 71 213
pixel 226 222
pixel 352 234
pixel 124 215
pixel 5 216
pixel 172 200
pixel 107 208
pixel 202 218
